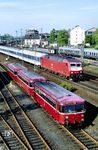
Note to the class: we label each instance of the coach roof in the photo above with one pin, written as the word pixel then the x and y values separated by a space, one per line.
pixel 58 93
pixel 31 76
pixel 16 66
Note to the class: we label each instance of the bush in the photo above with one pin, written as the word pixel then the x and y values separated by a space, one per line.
pixel 67 86
pixel 96 47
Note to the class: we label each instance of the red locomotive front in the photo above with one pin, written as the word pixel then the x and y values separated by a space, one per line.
pixel 68 67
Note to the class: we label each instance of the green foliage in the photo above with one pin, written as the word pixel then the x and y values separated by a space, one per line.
pixel 52 36
pixel 96 47
pixel 95 36
pixel 67 86
pixel 90 39
pixel 6 37
pixel 62 38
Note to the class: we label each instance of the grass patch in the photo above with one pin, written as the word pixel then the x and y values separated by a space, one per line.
pixel 68 86
pixel 92 69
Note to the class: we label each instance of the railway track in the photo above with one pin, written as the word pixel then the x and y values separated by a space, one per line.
pixel 81 137
pixel 91 81
pixel 92 76
pixel 10 138
pixel 86 141
pixel 91 84
pixel 3 144
pixel 32 135
pixel 10 119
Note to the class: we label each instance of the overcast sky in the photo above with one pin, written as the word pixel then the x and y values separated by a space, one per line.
pixel 46 15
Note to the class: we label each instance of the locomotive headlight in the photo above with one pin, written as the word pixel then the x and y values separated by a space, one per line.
pixel 66 117
pixel 82 115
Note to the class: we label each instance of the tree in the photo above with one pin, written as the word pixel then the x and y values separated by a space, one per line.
pixel 90 39
pixel 62 38
pixel 95 38
pixel 52 36
pixel 95 35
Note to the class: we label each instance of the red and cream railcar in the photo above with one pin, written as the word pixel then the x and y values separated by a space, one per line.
pixel 63 105
pixel 27 78
pixel 24 77
pixel 13 69
pixel 68 67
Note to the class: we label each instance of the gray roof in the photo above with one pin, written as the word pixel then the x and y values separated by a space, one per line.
pixel 55 89
pixel 17 65
pixel 58 93
pixel 31 74
pixel 62 59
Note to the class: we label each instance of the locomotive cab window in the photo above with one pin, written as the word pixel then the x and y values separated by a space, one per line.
pixel 75 65
pixel 78 65
pixel 72 65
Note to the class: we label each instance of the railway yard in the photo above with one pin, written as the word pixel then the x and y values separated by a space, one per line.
pixel 26 125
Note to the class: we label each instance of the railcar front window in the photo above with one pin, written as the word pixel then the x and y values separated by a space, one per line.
pixel 79 107
pixel 72 108
pixel 68 109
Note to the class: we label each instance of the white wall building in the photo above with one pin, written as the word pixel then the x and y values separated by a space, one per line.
pixel 31 42
pixel 77 36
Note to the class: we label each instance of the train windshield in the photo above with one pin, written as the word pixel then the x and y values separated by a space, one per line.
pixel 75 65
pixel 79 107
pixel 72 108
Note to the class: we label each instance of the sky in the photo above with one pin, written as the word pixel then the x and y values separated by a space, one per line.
pixel 17 16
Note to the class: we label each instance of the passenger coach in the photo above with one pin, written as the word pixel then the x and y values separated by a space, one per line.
pixel 63 105
pixel 87 53
pixel 13 70
pixel 67 67
pixel 24 77
pixel 23 54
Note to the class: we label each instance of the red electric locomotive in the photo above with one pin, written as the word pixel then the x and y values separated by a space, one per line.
pixel 65 106
pixel 68 67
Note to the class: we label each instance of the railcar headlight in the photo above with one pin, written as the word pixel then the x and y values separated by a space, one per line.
pixel 66 117
pixel 82 115
pixel 82 119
